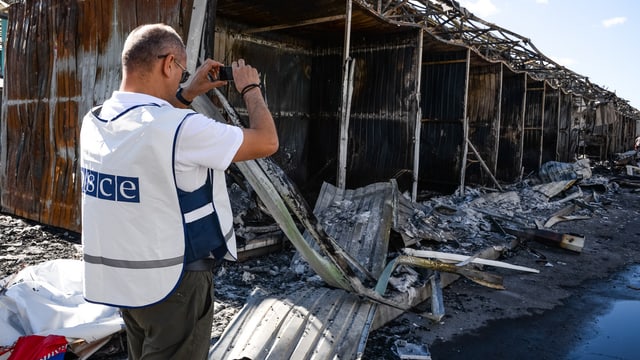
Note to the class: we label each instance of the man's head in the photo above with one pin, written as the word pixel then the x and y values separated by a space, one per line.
pixel 153 56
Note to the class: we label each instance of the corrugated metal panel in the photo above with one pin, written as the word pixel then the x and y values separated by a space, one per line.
pixel 63 57
pixel 311 323
pixel 443 86
pixel 360 220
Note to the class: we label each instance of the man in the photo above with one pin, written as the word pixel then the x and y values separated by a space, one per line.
pixel 155 208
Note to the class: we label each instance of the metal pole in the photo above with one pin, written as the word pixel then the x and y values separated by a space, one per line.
pixel 347 75
pixel 496 145
pixel 465 126
pixel 542 115
pixel 418 120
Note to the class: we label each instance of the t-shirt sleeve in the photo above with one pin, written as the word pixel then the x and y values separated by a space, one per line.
pixel 205 142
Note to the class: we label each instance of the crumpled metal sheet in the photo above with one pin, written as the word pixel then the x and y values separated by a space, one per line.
pixel 313 323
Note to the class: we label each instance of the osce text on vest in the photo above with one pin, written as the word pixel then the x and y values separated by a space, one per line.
pixel 110 187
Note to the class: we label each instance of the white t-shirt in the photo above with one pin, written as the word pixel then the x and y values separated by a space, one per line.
pixel 202 142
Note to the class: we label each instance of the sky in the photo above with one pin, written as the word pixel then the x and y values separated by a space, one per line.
pixel 598 39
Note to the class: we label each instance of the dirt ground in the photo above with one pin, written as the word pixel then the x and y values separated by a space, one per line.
pixel 612 242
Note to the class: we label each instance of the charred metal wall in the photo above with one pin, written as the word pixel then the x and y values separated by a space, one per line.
pixel 532 140
pixel 383 110
pixel 442 134
pixel 63 57
pixel 511 126
pixel 483 112
pixel 382 116
pixel 550 124
pixel 285 65
pixel 565 147
pixel 628 132
pixel 603 131
pixel 303 82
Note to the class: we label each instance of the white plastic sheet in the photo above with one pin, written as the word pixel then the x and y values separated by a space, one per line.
pixel 47 299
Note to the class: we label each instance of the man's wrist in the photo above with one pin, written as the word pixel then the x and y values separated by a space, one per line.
pixel 180 96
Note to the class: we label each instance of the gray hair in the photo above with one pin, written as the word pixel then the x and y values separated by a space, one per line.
pixel 147 42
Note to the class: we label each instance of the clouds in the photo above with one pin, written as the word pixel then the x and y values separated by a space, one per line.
pixel 614 21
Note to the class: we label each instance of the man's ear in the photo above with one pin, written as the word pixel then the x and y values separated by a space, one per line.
pixel 167 65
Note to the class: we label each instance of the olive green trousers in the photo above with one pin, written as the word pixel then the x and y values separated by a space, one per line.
pixel 178 327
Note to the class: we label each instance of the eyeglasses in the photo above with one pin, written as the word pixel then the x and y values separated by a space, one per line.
pixel 185 73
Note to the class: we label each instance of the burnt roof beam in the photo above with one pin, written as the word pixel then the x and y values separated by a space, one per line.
pixel 297 24
pixel 451 23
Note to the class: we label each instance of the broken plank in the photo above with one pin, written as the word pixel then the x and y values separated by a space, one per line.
pixel 458 257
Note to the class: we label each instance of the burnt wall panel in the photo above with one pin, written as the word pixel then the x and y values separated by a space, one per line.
pixel 63 57
pixel 511 127
pixel 382 122
pixel 602 131
pixel 565 149
pixel 607 115
pixel 550 125
pixel 483 111
pixel 532 142
pixel 382 116
pixel 628 133
pixel 326 72
pixel 442 136
pixel 286 69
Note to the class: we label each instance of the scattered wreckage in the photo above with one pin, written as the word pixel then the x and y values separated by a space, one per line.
pixel 378 253
pixel 347 244
pixel 402 253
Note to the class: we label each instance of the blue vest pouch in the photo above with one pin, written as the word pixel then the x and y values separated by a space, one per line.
pixel 203 234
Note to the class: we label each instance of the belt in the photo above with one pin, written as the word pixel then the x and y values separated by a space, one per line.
pixel 206 264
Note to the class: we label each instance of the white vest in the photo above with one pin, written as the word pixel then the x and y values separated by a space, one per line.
pixel 133 231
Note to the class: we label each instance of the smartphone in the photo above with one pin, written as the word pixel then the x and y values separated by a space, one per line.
pixel 225 73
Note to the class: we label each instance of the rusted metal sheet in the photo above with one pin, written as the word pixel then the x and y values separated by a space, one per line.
pixel 311 323
pixel 63 57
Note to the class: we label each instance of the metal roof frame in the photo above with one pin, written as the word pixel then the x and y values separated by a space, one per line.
pixel 451 23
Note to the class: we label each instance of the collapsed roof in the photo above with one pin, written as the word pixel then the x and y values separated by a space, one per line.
pixel 445 20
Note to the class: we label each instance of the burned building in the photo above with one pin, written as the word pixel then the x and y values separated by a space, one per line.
pixel 362 91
